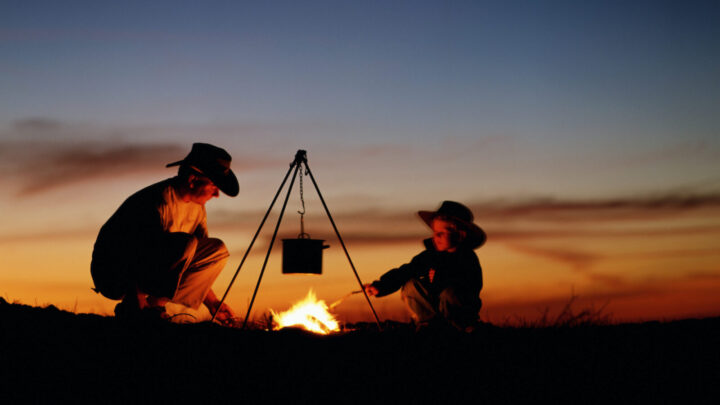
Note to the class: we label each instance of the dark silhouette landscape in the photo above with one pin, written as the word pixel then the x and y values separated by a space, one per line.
pixel 53 356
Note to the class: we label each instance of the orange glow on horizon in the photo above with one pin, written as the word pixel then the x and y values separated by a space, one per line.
pixel 641 265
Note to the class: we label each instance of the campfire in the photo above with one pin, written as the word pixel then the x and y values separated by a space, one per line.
pixel 301 255
pixel 310 314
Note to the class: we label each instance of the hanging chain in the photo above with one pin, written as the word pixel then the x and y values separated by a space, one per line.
pixel 302 213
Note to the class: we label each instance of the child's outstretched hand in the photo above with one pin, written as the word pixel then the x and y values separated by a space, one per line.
pixel 370 290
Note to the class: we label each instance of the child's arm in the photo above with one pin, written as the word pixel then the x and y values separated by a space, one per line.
pixel 394 279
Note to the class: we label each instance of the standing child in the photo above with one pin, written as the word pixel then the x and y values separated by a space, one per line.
pixel 442 284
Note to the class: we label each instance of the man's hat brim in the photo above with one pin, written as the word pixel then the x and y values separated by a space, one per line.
pixel 225 180
pixel 214 163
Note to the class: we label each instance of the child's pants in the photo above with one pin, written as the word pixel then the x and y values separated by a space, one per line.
pixel 456 305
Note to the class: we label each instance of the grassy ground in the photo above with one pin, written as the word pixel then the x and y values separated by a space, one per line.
pixel 53 356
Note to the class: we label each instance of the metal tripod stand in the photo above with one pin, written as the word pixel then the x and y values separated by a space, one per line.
pixel 300 160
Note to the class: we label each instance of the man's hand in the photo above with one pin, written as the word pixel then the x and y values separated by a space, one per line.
pixel 370 290
pixel 223 313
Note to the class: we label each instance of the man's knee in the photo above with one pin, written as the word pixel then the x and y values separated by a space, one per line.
pixel 110 278
pixel 212 249
pixel 178 247
pixel 218 246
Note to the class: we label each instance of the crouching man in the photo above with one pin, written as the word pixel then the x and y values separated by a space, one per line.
pixel 155 248
pixel 441 285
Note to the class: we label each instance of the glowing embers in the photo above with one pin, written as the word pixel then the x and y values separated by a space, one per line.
pixel 310 314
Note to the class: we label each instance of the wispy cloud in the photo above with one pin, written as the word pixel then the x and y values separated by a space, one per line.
pixel 37 126
pixel 554 210
pixel 40 154
pixel 499 233
pixel 39 167
pixel 579 261
pixel 576 259
pixel 686 149
pixel 534 220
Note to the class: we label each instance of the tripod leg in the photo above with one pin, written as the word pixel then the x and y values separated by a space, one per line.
pixel 252 242
pixel 272 241
pixel 377 320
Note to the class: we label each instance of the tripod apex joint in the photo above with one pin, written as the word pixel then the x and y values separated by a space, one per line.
pixel 300 157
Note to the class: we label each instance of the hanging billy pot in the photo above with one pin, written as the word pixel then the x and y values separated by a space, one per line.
pixel 302 255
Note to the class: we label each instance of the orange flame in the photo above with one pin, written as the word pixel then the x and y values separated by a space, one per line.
pixel 310 314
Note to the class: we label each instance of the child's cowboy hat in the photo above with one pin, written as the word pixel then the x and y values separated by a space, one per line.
pixel 462 215
pixel 214 163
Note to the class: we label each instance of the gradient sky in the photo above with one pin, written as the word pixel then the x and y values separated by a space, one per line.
pixel 584 136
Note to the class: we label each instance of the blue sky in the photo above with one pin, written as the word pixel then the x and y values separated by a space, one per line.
pixel 548 68
pixel 557 98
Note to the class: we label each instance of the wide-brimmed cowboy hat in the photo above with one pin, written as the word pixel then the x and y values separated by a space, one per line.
pixel 214 163
pixel 461 214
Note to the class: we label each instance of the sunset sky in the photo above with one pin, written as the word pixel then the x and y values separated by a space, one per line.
pixel 585 136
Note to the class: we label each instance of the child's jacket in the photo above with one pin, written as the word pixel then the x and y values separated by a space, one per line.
pixel 460 270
